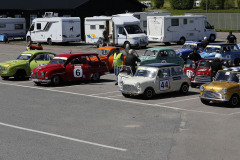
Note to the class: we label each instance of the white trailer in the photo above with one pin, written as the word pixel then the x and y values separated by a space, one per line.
pixel 142 16
pixel 13 27
pixel 55 29
pixel 123 30
pixel 179 29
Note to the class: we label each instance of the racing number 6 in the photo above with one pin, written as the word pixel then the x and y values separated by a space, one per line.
pixel 78 72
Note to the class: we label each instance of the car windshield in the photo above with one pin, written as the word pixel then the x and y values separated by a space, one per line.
pixel 102 52
pixel 211 49
pixel 133 29
pixel 189 46
pixel 24 56
pixel 151 53
pixel 58 60
pixel 145 73
pixel 228 76
pixel 190 64
pixel 204 64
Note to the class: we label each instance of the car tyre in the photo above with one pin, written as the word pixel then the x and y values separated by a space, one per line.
pixel 181 41
pixel 205 101
pixel 148 93
pixel 126 95
pixel 20 75
pixel 96 76
pixel 127 46
pixel 184 88
pixel 49 41
pixel 236 62
pixel 56 80
pixel 212 38
pixel 5 77
pixel 234 101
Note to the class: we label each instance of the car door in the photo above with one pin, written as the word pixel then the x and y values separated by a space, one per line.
pixel 177 77
pixel 40 59
pixel 121 36
pixel 165 80
pixel 94 64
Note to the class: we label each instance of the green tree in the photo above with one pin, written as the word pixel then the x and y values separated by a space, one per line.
pixel 158 3
pixel 213 4
pixel 181 4
pixel 229 4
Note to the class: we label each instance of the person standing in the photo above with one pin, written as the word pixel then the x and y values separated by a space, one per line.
pixel 231 38
pixel 117 63
pixel 216 65
pixel 131 61
pixel 194 55
pixel 105 36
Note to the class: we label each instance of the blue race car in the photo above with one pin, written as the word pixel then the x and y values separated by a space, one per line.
pixel 229 51
pixel 187 48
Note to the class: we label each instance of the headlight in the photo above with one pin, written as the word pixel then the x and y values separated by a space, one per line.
pixel 224 91
pixel 202 88
pixel 138 85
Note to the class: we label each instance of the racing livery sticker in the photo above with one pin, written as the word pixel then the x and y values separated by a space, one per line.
pixel 164 85
pixel 78 72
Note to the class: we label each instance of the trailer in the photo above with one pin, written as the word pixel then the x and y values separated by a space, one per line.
pixel 55 29
pixel 179 29
pixel 123 30
pixel 13 27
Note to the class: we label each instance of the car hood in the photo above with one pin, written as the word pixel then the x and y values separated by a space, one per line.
pixel 219 85
pixel 178 51
pixel 49 67
pixel 145 58
pixel 13 63
pixel 134 80
pixel 202 71
pixel 207 55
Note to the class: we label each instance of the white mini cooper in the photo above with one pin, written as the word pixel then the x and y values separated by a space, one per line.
pixel 151 79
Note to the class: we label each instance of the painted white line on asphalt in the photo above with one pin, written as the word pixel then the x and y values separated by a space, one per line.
pixel 115 96
pixel 119 100
pixel 180 100
pixel 103 93
pixel 60 136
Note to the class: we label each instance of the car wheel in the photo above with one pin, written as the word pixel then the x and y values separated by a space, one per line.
pixel 126 95
pixel 29 39
pixel 20 75
pixel 56 80
pixel 49 41
pixel 236 62
pixel 5 77
pixel 212 38
pixel 127 45
pixel 234 101
pixel 184 88
pixel 148 93
pixel 96 76
pixel 205 101
pixel 181 41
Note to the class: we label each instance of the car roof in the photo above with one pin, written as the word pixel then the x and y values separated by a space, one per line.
pixel 237 69
pixel 160 48
pixel 68 55
pixel 160 65
pixel 37 51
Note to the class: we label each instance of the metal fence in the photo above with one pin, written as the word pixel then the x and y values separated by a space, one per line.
pixel 223 21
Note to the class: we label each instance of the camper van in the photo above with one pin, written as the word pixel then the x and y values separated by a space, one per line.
pixel 179 29
pixel 123 30
pixel 142 16
pixel 13 27
pixel 55 29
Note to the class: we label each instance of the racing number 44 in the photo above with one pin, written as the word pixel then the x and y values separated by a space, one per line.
pixel 164 85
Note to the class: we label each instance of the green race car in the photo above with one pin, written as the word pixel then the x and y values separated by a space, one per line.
pixel 26 61
pixel 160 55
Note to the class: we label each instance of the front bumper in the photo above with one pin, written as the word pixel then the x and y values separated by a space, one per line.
pixel 131 93
pixel 213 99
pixel 42 81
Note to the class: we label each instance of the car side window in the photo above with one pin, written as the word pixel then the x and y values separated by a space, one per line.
pixel 75 61
pixel 51 56
pixel 164 73
pixel 234 48
pixel 93 58
pixel 171 54
pixel 40 57
pixel 163 54
pixel 176 71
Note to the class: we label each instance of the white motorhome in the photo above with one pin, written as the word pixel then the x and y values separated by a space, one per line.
pixel 123 30
pixel 142 16
pixel 55 29
pixel 179 29
pixel 13 27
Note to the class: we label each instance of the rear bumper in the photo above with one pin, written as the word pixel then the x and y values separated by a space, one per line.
pixel 213 99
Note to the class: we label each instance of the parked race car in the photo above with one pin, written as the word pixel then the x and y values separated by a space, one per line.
pixel 225 88
pixel 70 67
pixel 160 55
pixel 229 51
pixel 151 79
pixel 25 62
pixel 188 48
pixel 106 54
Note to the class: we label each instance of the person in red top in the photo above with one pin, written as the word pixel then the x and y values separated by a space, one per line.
pixel 32 47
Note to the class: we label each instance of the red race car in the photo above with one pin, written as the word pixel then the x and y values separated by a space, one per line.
pixel 199 74
pixel 70 67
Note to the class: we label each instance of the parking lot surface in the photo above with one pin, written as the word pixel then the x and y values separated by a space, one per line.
pixel 86 120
